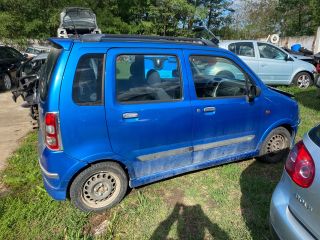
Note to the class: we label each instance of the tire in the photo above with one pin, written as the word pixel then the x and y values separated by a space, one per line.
pixel 276 146
pixel 99 187
pixel 6 82
pixel 303 80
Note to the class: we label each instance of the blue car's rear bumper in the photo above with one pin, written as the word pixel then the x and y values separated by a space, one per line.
pixel 57 170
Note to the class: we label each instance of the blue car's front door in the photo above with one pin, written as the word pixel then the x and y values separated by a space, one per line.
pixel 225 123
pixel 148 113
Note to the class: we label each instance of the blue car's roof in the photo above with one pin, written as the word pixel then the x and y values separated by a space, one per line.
pixel 100 40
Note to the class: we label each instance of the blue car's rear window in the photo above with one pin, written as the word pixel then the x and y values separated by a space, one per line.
pixel 46 72
pixel 315 135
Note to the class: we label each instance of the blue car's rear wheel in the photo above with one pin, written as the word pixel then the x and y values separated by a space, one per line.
pixel 99 187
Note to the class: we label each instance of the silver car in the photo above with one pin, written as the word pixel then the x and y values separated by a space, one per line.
pixel 295 204
pixel 272 64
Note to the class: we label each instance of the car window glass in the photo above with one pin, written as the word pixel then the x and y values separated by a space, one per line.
pixel 270 52
pixel 141 78
pixel 4 53
pixel 315 135
pixel 87 84
pixel 217 77
pixel 46 72
pixel 14 53
pixel 242 49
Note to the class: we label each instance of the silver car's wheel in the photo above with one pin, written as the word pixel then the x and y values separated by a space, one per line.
pixel 303 80
pixel 7 82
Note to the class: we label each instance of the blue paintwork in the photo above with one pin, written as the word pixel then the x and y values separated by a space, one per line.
pixel 96 133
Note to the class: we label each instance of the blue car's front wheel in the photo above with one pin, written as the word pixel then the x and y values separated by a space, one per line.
pixel 275 147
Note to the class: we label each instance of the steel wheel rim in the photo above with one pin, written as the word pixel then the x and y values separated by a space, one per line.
pixel 276 143
pixel 303 81
pixel 7 81
pixel 100 189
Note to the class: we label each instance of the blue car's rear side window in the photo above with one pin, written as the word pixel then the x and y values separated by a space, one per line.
pixel 46 72
pixel 87 84
pixel 148 78
pixel 315 135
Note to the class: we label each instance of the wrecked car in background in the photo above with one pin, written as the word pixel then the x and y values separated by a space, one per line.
pixel 28 81
pixel 33 51
pixel 305 55
pixel 75 21
pixel 10 61
pixel 272 64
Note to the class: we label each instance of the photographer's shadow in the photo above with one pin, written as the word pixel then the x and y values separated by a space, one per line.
pixel 191 224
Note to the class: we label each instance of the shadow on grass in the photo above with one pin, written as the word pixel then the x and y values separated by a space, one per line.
pixel 308 98
pixel 191 224
pixel 257 183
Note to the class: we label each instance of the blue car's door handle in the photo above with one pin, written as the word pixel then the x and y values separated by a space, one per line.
pixel 130 115
pixel 209 109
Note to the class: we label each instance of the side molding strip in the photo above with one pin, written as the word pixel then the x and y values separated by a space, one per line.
pixel 168 153
pixel 200 147
pixel 223 143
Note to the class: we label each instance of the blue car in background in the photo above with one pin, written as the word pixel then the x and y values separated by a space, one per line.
pixel 124 111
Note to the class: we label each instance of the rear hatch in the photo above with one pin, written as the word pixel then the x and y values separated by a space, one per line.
pixel 305 202
pixel 45 79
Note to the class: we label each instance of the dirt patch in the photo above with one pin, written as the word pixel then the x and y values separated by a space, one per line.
pixel 3 190
pixel 173 196
pixel 211 204
pixel 97 224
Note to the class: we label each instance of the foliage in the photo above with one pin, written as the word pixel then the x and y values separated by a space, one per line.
pixel 255 19
pixel 40 19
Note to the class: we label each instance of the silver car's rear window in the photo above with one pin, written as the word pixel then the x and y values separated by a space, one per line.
pixel 314 134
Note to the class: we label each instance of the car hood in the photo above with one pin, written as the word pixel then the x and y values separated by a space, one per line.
pixel 304 64
pixel 301 57
pixel 282 92
pixel 78 18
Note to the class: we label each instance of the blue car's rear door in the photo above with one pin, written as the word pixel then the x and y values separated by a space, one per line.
pixel 148 112
pixel 225 123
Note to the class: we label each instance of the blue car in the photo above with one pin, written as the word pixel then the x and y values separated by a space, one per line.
pixel 109 119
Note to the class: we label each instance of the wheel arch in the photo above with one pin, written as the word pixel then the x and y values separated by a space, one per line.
pixel 122 165
pixel 286 124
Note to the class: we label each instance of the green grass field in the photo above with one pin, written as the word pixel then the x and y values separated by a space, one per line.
pixel 226 202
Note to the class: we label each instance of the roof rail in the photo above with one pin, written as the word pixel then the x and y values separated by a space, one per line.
pixel 138 38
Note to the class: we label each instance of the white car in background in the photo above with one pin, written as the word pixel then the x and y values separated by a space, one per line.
pixel 272 64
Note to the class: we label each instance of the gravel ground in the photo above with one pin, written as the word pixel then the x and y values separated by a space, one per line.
pixel 15 123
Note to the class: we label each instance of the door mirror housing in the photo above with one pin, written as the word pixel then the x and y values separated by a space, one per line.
pixel 288 58
pixel 253 92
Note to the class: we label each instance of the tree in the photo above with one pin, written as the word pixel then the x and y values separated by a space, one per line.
pixel 295 18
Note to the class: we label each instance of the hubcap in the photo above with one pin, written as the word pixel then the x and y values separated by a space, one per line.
pixel 276 143
pixel 100 189
pixel 7 82
pixel 303 81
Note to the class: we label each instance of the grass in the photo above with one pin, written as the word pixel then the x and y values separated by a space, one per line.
pixel 226 202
